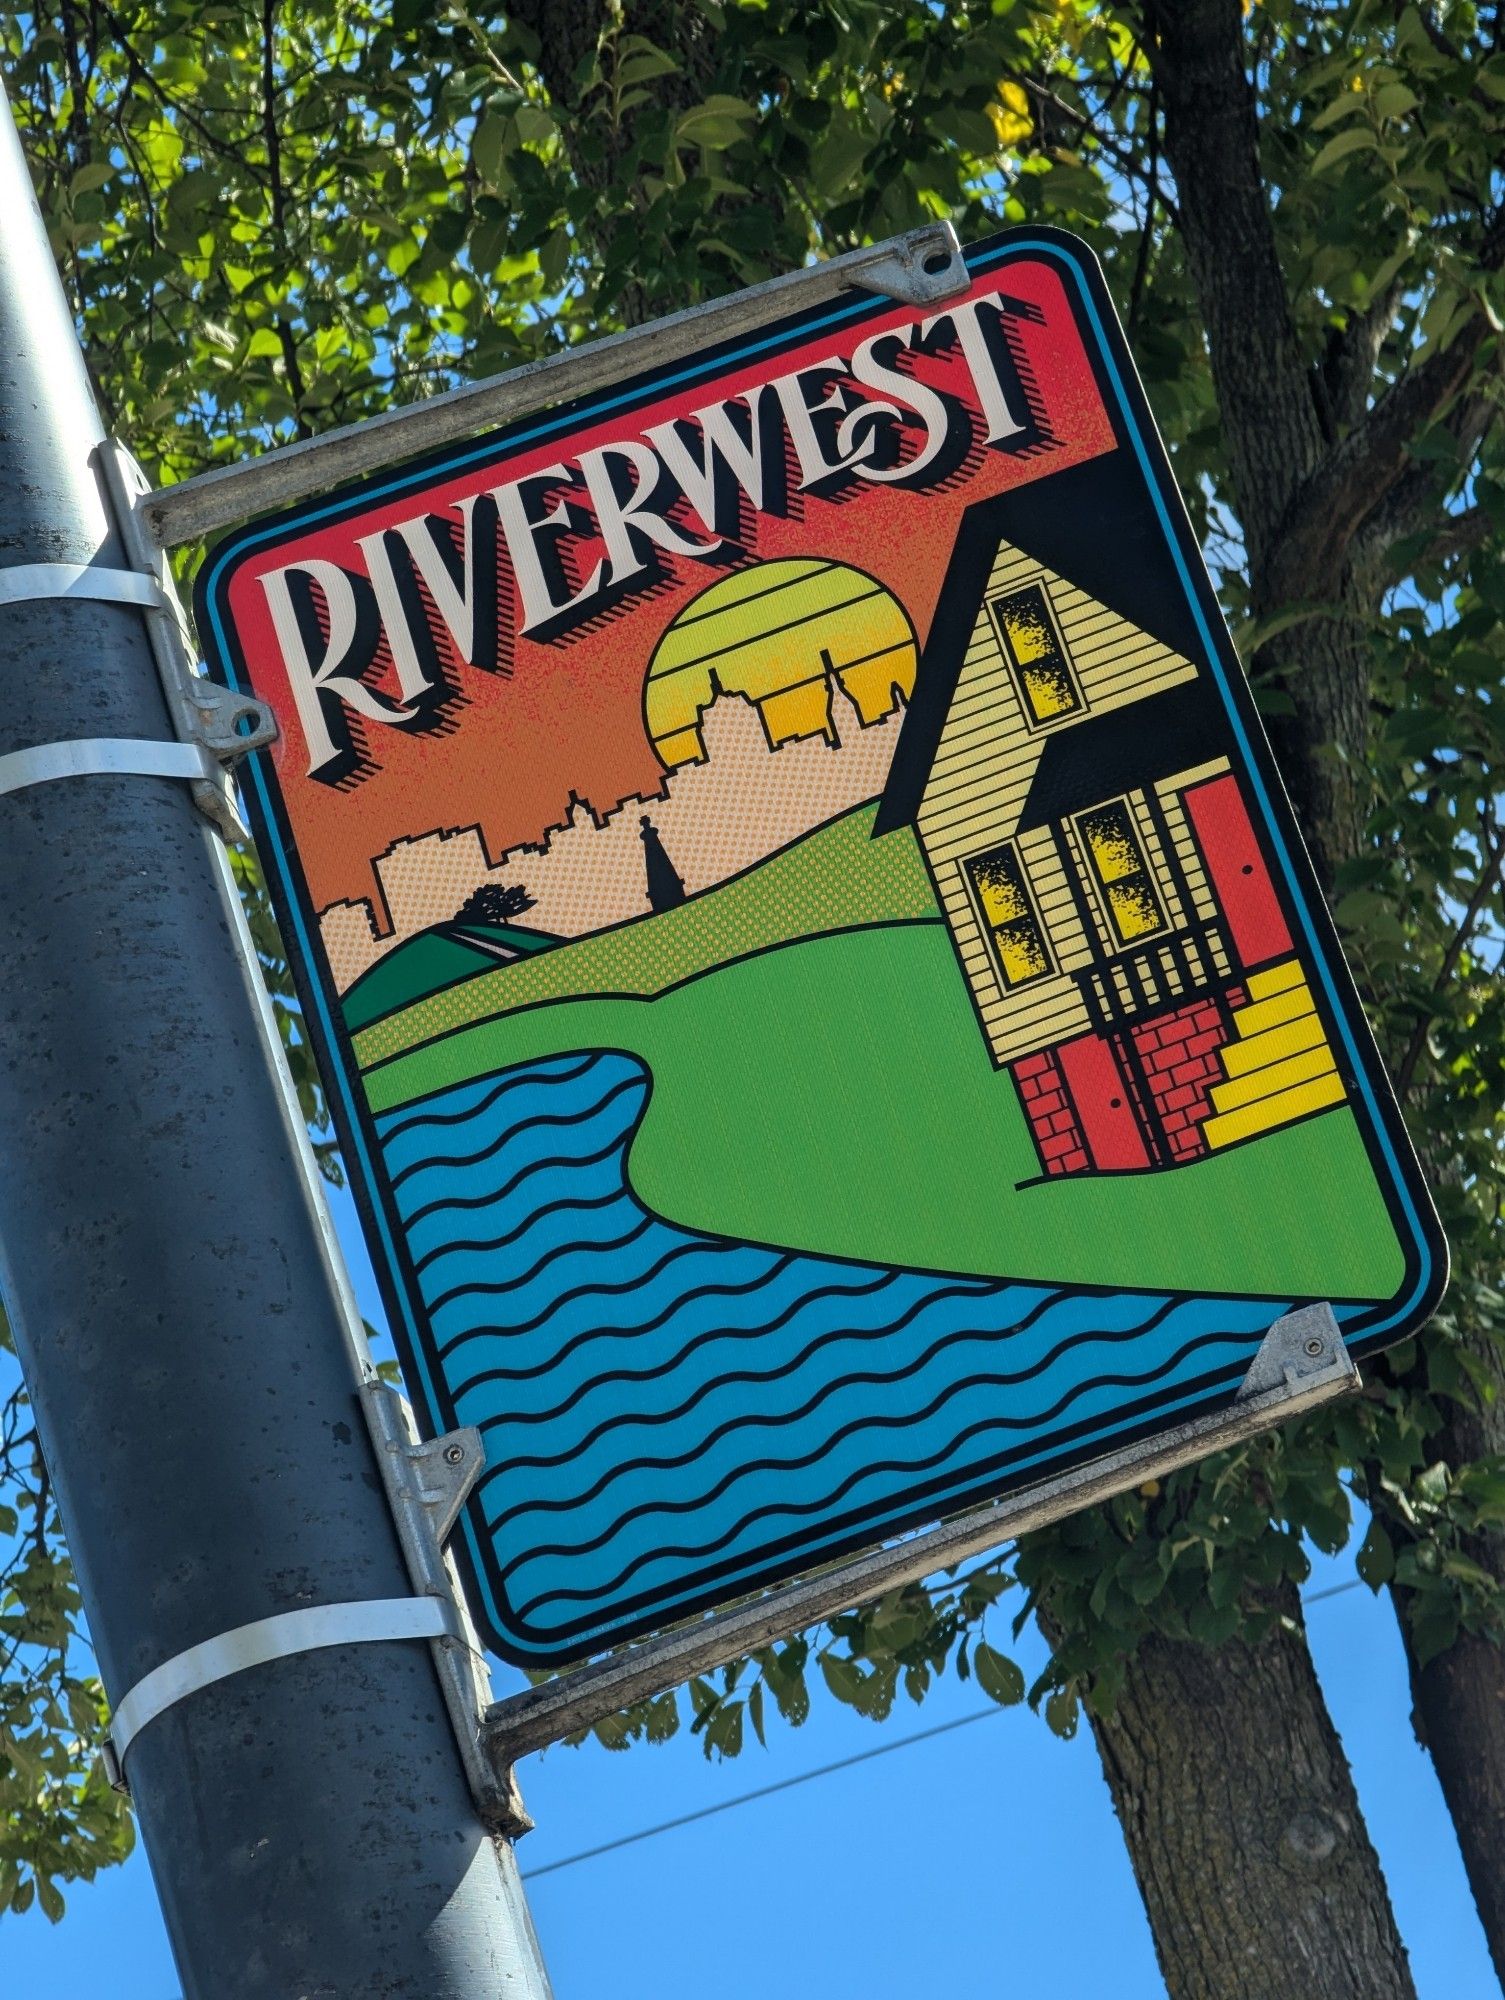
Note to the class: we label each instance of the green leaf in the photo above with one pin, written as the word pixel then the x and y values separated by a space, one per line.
pixel 1357 139
pixel 718 121
pixel 997 1675
pixel 1062 1712
pixel 843 1678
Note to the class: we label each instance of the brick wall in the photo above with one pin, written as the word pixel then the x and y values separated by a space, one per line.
pixel 1179 1054
pixel 1042 1091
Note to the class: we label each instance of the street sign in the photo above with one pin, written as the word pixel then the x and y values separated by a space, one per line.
pixel 825 1008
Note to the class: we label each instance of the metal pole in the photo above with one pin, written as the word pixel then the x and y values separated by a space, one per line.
pixel 182 1325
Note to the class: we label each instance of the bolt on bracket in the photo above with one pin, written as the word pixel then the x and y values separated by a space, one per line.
pixel 919 269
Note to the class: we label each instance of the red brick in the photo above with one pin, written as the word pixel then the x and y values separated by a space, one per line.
pixel 1185 1095
pixel 1048 1102
pixel 1194 1071
pixel 1057 1148
pixel 1035 1065
pixel 1063 1122
pixel 1204 1044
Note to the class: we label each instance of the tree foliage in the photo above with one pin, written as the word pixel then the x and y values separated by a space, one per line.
pixel 276 220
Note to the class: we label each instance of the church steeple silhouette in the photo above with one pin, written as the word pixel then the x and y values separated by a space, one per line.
pixel 665 890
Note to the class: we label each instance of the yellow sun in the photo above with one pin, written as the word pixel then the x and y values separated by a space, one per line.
pixel 779 633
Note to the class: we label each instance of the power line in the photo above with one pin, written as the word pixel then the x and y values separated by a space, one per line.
pixel 763 1792
pixel 808 1777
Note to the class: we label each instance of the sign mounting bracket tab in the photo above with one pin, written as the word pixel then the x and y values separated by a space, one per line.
pixel 204 714
pixel 920 269
pixel 427 1484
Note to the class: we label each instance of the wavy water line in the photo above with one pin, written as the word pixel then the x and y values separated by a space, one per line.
pixel 857 1377
pixel 697 1246
pixel 491 1287
pixel 449 1161
pixel 508 1188
pixel 538 1078
pixel 652 1418
pixel 475 1243
pixel 759 1333
pixel 584 1338
pixel 703 1550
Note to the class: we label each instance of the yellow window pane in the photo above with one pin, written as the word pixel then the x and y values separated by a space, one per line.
pixel 1048 688
pixel 1028 628
pixel 1000 889
pixel 1021 953
pixel 1115 852
pixel 1136 914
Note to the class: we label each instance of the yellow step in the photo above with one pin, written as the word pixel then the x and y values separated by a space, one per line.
pixel 1273 1076
pixel 1281 1109
pixel 1275 979
pixel 1240 1058
pixel 1271 1013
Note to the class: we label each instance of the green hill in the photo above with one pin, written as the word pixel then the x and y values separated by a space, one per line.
pixel 431 961
pixel 836 1096
pixel 836 878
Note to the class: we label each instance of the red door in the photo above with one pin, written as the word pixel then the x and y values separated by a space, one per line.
pixel 1240 881
pixel 1101 1096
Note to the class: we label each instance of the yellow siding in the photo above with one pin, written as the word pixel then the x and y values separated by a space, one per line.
pixel 980 780
pixel 987 753
pixel 1202 897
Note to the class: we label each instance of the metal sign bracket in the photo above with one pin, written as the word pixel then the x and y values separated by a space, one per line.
pixel 227 726
pixel 427 1484
pixel 1300 1364
pixel 920 268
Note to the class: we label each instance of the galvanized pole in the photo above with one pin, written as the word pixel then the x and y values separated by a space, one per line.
pixel 181 1324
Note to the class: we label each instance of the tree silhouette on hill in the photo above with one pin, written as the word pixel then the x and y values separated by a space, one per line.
pixel 494 903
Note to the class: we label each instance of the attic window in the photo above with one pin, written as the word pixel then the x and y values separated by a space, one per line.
pixel 1009 920
pixel 1047 685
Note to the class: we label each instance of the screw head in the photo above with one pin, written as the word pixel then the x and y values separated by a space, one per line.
pixel 454 1454
pixel 1314 1346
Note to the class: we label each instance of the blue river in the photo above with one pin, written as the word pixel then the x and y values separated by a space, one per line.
pixel 662 1408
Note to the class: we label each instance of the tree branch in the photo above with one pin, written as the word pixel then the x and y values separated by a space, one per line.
pixel 1489 876
pixel 1354 479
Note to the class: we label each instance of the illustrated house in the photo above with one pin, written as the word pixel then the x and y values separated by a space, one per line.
pixel 1066 774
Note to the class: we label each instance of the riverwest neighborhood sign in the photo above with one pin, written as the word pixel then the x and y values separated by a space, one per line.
pixel 826 1010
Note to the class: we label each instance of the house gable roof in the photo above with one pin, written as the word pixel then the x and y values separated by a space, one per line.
pixel 1095 524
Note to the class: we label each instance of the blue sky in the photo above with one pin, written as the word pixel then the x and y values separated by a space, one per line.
pixel 985 1860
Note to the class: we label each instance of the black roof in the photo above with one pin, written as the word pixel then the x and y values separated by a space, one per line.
pixel 1095 524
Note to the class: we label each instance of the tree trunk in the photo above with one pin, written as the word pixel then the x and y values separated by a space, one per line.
pixel 1309 504
pixel 1460 1717
pixel 1459 1696
pixel 1241 1820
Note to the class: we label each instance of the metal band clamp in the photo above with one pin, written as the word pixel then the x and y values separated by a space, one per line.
pixel 105 756
pixel 305 1630
pixel 28 583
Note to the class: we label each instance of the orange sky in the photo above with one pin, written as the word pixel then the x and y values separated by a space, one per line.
pixel 569 716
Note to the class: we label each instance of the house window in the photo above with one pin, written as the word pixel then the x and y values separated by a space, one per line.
pixel 1116 856
pixel 1047 686
pixel 1013 929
